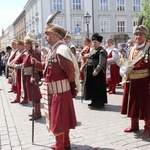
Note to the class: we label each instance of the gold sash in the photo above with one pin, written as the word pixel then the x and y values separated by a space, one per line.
pixel 27 71
pixel 138 74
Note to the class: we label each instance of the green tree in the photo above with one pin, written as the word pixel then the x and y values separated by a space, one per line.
pixel 146 13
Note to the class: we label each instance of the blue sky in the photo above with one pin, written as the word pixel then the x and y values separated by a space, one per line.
pixel 9 11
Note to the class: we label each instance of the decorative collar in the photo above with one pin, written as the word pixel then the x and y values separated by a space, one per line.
pixel 55 45
pixel 140 46
pixel 110 47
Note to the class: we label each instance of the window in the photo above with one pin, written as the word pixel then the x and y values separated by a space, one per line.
pixel 135 22
pixel 103 5
pixel 29 14
pixel 120 5
pixel 104 25
pixel 136 5
pixel 59 21
pixel 76 4
pixel 32 11
pixel 36 7
pixel 121 26
pixel 57 4
pixel 37 26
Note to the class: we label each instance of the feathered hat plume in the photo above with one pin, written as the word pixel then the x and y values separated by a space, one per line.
pixel 54 28
pixel 140 20
pixel 51 17
pixel 140 28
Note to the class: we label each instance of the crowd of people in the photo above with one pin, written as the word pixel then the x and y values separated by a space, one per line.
pixel 63 65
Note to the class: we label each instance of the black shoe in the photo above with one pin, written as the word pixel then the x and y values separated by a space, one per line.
pixel 90 105
pixel 98 106
pixel 10 91
pixel 95 106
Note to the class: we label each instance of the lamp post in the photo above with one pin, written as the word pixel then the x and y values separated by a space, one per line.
pixel 87 19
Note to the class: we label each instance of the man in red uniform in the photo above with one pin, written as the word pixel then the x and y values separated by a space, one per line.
pixel 31 78
pixel 62 79
pixel 136 96
pixel 86 49
pixel 11 76
pixel 17 68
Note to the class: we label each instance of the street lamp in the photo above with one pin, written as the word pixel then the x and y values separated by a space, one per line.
pixel 87 19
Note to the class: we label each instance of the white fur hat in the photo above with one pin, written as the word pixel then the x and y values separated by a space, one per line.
pixel 141 29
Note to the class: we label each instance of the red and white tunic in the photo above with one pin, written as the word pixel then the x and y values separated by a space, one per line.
pixel 59 72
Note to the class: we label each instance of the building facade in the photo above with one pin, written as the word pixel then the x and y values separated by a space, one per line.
pixel 108 17
pixel 20 26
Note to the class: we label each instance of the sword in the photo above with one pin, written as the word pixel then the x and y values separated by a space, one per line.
pixel 82 91
pixel 33 82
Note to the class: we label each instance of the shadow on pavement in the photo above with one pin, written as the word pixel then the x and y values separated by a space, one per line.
pixel 138 135
pixel 78 97
pixel 41 120
pixel 119 93
pixel 80 147
pixel 87 147
pixel 114 108
pixel 42 145
pixel 107 107
pixel 78 123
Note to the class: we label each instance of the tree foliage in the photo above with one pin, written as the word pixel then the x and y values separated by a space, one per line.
pixel 146 13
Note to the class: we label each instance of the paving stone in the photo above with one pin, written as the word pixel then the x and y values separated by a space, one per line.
pixel 97 129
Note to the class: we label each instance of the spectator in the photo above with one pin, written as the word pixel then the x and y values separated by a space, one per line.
pixel 129 44
pixel 67 40
pixel 2 63
pixel 73 49
pixel 44 52
pixel 6 57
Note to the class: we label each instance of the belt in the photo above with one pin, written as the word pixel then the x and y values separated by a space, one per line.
pixel 139 74
pixel 27 71
pixel 59 86
pixel 92 62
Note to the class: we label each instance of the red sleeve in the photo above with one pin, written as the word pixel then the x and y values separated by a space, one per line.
pixel 68 68
pixel 40 66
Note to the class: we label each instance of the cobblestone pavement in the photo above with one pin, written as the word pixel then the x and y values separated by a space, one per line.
pixel 97 129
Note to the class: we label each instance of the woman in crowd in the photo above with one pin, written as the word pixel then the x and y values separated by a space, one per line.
pixel 112 73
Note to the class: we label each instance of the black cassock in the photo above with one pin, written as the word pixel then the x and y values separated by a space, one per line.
pixel 95 86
